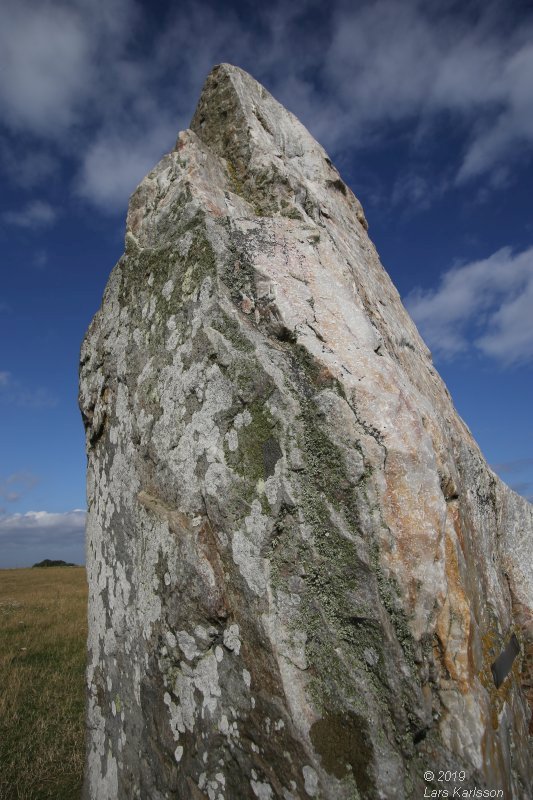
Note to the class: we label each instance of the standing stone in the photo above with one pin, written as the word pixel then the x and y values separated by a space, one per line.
pixel 301 568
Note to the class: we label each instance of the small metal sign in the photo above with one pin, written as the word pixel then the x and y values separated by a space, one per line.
pixel 503 664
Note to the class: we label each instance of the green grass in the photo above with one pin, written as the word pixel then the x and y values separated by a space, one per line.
pixel 43 631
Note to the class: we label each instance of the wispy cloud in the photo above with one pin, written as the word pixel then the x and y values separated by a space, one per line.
pixel 16 486
pixel 525 488
pixel 391 62
pixel 413 191
pixel 35 215
pixel 27 168
pixel 485 304
pixel 40 259
pixel 518 473
pixel 509 467
pixel 13 392
pixel 93 82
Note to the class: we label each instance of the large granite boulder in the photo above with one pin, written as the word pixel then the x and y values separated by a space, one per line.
pixel 301 568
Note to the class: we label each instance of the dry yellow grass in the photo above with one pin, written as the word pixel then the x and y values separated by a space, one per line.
pixel 43 629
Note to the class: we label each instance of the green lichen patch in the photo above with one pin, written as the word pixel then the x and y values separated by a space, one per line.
pixel 312 376
pixel 256 439
pixel 239 272
pixel 390 595
pixel 346 599
pixel 231 330
pixel 199 263
pixel 145 271
pixel 267 190
pixel 325 466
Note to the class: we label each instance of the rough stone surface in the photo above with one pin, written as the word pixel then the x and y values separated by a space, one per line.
pixel 300 566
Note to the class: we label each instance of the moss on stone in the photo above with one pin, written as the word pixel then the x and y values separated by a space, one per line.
pixel 231 330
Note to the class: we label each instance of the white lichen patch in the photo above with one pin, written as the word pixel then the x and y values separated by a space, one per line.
pixel 167 289
pixel 205 679
pixel 223 725
pixel 187 645
pixel 231 639
pixel 310 780
pixel 232 440
pixel 229 729
pixel 370 656
pixel 242 419
pixel 247 545
pixel 262 790
pixel 176 720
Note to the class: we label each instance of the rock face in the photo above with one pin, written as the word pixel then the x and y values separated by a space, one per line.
pixel 301 568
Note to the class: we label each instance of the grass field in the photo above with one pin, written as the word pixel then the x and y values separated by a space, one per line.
pixel 43 630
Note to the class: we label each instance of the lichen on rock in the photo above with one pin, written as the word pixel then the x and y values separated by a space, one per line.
pixel 300 566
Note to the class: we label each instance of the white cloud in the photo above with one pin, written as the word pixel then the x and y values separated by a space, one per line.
pixel 115 163
pixel 509 337
pixel 35 535
pixel 45 65
pixel 36 523
pixel 486 304
pixel 53 55
pixel 36 214
pixel 5 378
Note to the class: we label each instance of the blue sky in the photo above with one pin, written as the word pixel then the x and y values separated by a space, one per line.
pixel 427 110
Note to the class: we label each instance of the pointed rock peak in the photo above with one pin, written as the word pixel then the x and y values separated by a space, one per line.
pixel 272 159
pixel 236 114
